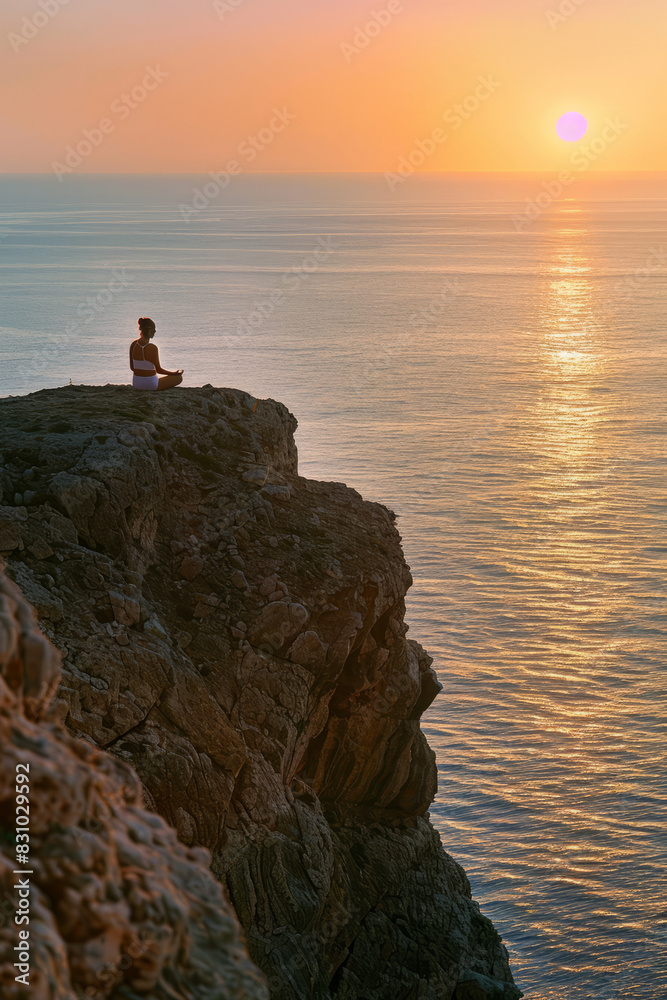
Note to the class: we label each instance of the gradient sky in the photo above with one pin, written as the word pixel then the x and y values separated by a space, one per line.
pixel 225 75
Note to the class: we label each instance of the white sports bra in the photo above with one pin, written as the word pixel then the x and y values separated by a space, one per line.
pixel 142 365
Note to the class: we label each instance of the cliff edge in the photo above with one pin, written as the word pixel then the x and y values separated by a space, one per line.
pixel 235 633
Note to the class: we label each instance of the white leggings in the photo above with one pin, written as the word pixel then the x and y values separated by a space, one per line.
pixel 145 381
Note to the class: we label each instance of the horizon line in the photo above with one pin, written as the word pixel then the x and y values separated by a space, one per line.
pixel 336 173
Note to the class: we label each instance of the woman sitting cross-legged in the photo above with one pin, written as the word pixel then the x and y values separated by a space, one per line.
pixel 145 361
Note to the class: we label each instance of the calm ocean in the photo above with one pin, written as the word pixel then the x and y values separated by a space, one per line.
pixel 503 387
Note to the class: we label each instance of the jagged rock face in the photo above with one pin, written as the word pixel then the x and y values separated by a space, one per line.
pixel 118 907
pixel 236 633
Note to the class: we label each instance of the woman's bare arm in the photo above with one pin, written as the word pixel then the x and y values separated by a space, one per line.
pixel 131 350
pixel 155 358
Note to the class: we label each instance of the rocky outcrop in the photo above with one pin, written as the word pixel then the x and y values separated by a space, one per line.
pixel 236 634
pixel 110 904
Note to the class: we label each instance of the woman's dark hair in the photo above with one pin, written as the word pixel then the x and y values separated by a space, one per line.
pixel 147 326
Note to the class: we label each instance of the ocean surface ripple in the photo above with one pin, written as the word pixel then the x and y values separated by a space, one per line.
pixel 504 392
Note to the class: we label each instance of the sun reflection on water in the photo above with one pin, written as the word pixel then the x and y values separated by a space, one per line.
pixel 569 418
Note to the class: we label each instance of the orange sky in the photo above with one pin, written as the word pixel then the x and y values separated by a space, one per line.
pixel 355 109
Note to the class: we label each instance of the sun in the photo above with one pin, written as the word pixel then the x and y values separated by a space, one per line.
pixel 571 126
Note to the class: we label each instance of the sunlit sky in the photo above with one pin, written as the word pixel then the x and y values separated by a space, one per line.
pixel 355 109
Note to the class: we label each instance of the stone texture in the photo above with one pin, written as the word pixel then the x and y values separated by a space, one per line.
pixel 119 909
pixel 290 747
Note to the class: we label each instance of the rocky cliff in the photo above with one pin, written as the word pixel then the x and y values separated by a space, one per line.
pixel 236 634
pixel 109 903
